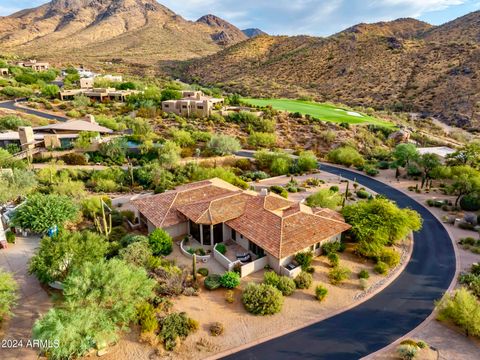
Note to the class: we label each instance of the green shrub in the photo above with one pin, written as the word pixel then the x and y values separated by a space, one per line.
pixel 279 190
pixel 470 202
pixel 303 280
pixel 422 344
pixel 336 246
pixel 371 171
pixel 132 238
pixel 75 159
pixel 212 282
pixel 389 256
pixel 346 155
pixel 304 259
pixel 147 318
pixel 286 285
pixel 262 299
pixel 221 248
pixel 407 352
pixel 334 188
pixel 203 271
pixel 10 236
pixel 230 280
pixel 381 268
pixel 271 278
pixel 8 294
pixel 230 296
pixel 363 274
pixel 363 194
pixel 173 327
pixel 333 259
pixel 320 292
pixel 160 242
pixel 338 274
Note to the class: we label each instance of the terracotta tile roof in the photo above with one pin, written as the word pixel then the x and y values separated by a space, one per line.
pixel 275 202
pixel 328 213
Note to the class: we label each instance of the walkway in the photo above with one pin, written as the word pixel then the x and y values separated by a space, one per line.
pixel 372 325
pixel 33 300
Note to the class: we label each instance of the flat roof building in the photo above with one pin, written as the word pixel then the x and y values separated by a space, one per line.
pixel 192 103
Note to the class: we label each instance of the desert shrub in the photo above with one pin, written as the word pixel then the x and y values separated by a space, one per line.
pixel 160 242
pixel 389 256
pixel 333 259
pixel 407 352
pixel 338 274
pixel 129 215
pixel 413 170
pixel 221 248
pixel 466 226
pixel 346 155
pixel 170 278
pixel 10 236
pixel 363 274
pixel 137 253
pixel 334 188
pixel 271 278
pixel 303 280
pixel 262 299
pixel 320 292
pixel 370 171
pixel 325 198
pixel 229 296
pixel 381 268
pixel 203 271
pixel 363 194
pixel 216 329
pixel 304 259
pixel 212 282
pixel 363 284
pixel 132 238
pixel 262 139
pixel 422 344
pixel 147 317
pixel 75 159
pixel 286 285
pixel 230 280
pixel 470 202
pixel 279 190
pixel 471 281
pixel 336 246
pixel 8 294
pixel 174 327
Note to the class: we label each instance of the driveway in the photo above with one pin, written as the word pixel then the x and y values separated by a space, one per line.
pixel 33 300
pixel 11 105
pixel 389 315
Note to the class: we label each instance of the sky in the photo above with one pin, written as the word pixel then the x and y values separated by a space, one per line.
pixel 310 17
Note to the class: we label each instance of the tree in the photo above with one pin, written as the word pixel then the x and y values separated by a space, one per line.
pixel 8 294
pixel 43 212
pixel 378 223
pixel 115 150
pixel 307 161
pixel 223 145
pixel 51 91
pixel 428 162
pixel 182 138
pixel 85 139
pixel 57 255
pixel 169 154
pixel 325 198
pixel 466 180
pixel 404 154
pixel 469 155
pixel 170 94
pixel 280 166
pixel 160 242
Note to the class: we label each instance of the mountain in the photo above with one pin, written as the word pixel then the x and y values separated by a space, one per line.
pixel 224 33
pixel 253 32
pixel 141 31
pixel 403 65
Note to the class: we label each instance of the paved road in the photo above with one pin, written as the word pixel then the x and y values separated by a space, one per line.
pixel 392 313
pixel 11 106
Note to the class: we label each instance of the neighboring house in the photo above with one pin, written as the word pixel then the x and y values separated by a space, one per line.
pixel 4 71
pixel 59 135
pixel 34 65
pixel 192 103
pixel 268 227
pixel 99 94
pixel 440 151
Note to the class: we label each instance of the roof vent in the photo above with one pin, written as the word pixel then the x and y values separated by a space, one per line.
pixel 264 192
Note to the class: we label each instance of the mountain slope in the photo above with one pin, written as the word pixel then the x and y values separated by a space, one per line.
pixel 138 30
pixel 225 33
pixel 253 32
pixel 403 65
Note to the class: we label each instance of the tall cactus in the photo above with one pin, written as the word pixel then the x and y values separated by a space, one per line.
pixel 346 194
pixel 103 225
pixel 194 267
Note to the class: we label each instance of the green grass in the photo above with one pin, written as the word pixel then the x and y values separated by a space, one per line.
pixel 324 112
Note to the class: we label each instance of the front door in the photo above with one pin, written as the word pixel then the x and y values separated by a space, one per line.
pixel 217 233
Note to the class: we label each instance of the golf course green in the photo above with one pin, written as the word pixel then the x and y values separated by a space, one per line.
pixel 324 112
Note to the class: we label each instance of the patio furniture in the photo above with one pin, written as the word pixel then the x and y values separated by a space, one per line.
pixel 244 258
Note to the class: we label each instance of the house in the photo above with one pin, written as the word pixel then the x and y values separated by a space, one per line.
pixel 34 65
pixel 4 71
pixel 264 227
pixel 441 151
pixel 100 94
pixel 192 103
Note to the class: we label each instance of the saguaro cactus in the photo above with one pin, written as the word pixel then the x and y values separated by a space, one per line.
pixel 103 224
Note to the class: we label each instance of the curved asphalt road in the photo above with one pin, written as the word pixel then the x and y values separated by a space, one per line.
pixel 11 106
pixel 387 316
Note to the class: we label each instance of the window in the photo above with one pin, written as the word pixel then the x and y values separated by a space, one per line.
pixel 234 235
pixel 206 235
pixel 200 107
pixel 195 230
pixel 257 250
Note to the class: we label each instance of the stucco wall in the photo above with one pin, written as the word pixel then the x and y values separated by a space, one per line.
pixel 177 230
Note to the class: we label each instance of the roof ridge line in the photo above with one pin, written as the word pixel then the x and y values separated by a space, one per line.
pixel 169 208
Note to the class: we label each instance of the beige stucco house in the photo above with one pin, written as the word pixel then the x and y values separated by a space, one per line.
pixel 34 65
pixel 268 227
pixel 98 94
pixel 192 103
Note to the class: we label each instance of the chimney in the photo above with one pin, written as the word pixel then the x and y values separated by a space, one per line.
pixel 27 139
pixel 90 118
pixel 264 192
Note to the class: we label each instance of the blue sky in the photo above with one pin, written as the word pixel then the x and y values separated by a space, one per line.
pixel 313 17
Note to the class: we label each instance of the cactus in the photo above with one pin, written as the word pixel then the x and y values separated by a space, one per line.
pixel 194 266
pixel 103 225
pixel 346 194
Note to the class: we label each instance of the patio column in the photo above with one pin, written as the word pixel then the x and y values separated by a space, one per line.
pixel 201 234
pixel 212 239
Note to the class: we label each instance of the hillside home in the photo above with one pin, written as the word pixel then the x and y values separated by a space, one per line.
pixel 34 65
pixel 98 94
pixel 192 103
pixel 4 71
pixel 265 228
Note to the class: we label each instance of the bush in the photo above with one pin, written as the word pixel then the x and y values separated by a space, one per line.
pixel 363 284
pixel 334 188
pixel 407 352
pixel 381 268
pixel 212 282
pixel 470 202
pixel 346 155
pixel 230 280
pixel 10 236
pixel 147 318
pixel 336 246
pixel 286 285
pixel 271 278
pixel 320 292
pixel 75 159
pixel 364 274
pixel 363 194
pixel 338 274
pixel 221 248
pixel 371 171
pixel 160 242
pixel 262 299
pixel 422 344
pixel 216 329
pixel 303 280
pixel 132 238
pixel 304 259
pixel 175 326
pixel 389 256
pixel 229 297
pixel 203 271
pixel 261 139
pixel 279 190
pixel 8 294
pixel 333 259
